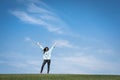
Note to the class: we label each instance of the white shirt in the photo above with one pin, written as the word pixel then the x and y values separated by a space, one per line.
pixel 47 55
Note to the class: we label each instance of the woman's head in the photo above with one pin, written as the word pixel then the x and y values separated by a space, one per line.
pixel 45 49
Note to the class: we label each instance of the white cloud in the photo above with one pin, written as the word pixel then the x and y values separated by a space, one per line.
pixel 86 61
pixel 84 64
pixel 64 43
pixel 107 51
pixel 28 1
pixel 33 62
pixel 39 15
pixel 54 29
pixel 20 62
pixel 31 66
pixel 27 39
pixel 32 42
pixel 23 16
pixel 35 9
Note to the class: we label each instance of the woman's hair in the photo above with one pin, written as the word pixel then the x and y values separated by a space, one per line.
pixel 45 49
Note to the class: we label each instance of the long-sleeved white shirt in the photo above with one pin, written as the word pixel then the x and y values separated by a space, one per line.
pixel 47 55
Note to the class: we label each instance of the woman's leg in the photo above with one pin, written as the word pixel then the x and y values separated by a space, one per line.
pixel 49 61
pixel 43 64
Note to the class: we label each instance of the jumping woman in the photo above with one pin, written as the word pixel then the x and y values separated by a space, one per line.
pixel 46 56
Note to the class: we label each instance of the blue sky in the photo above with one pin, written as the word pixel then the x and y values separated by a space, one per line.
pixel 87 32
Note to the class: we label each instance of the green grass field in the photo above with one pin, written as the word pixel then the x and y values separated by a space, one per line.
pixel 57 77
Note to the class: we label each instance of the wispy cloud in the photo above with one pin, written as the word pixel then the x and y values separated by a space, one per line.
pixel 32 42
pixel 42 16
pixel 23 16
pixel 75 64
pixel 28 1
pixel 27 39
pixel 20 62
pixel 86 61
pixel 64 43
pixel 36 9
pixel 31 66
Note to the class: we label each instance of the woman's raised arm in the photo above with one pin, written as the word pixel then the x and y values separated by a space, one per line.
pixel 53 46
pixel 40 45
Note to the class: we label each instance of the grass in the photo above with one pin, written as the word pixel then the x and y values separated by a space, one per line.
pixel 57 77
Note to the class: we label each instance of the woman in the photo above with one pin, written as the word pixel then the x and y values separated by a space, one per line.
pixel 46 56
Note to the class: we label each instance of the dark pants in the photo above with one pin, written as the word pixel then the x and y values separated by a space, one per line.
pixel 43 64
